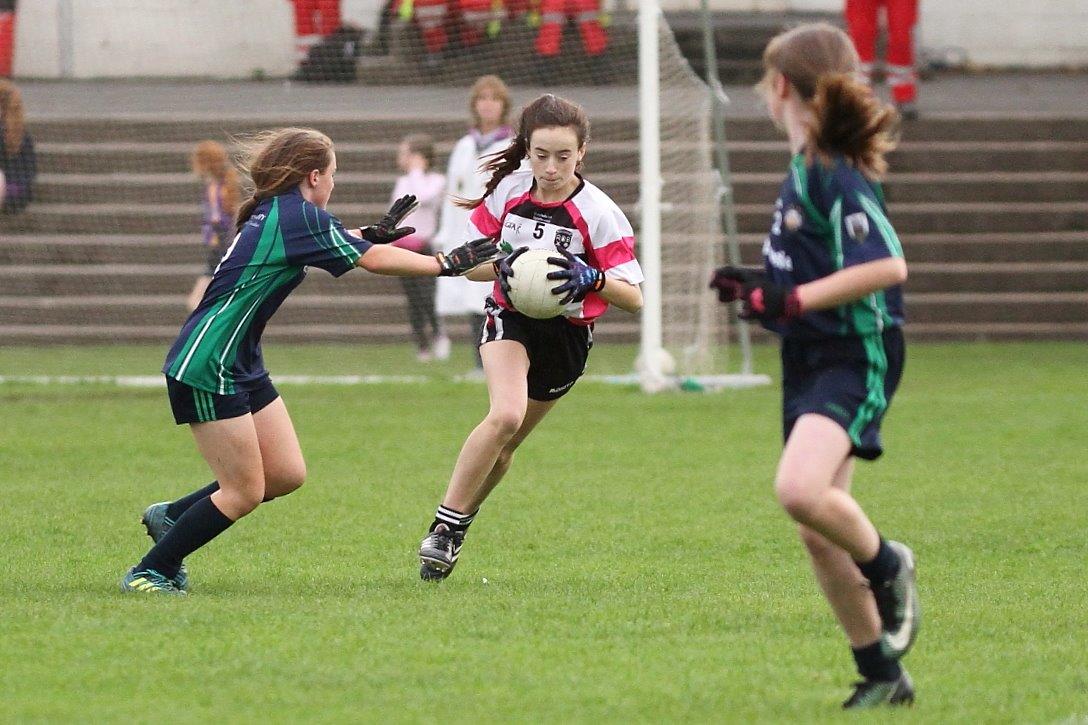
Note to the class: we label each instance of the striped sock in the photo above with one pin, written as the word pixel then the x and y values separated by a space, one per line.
pixel 452 519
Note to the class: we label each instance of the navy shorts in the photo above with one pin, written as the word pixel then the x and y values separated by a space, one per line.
pixel 191 405
pixel 557 349
pixel 850 380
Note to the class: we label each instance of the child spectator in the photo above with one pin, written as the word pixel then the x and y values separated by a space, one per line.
pixel 221 196
pixel 18 161
pixel 414 158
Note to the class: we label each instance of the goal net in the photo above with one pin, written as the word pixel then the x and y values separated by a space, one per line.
pixel 110 246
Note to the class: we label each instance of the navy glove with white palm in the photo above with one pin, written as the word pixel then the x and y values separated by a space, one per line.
pixel 581 279
pixel 504 269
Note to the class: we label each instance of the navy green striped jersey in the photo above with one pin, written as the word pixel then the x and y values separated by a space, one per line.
pixel 219 347
pixel 827 217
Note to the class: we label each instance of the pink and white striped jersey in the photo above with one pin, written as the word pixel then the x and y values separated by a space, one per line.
pixel 588 224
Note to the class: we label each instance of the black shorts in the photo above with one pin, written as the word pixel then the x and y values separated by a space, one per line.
pixel 849 380
pixel 199 406
pixel 557 349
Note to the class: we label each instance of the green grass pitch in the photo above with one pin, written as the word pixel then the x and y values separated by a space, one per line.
pixel 634 565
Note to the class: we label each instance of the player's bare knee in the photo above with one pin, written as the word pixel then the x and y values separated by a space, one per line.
pixel 505 422
pixel 798 499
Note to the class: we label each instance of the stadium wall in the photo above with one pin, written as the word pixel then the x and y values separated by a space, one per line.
pixel 1022 33
pixel 210 38
pixel 151 38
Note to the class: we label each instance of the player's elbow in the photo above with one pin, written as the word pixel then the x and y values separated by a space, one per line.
pixel 634 302
pixel 373 260
pixel 899 271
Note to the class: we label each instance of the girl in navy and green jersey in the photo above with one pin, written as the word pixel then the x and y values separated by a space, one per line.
pixel 830 287
pixel 215 373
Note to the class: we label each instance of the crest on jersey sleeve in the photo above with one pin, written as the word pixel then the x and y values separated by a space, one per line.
pixel 857 226
pixel 563 238
pixel 794 219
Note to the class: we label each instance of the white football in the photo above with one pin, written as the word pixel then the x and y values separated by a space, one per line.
pixel 530 289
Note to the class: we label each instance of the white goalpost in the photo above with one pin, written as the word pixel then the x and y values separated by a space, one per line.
pixel 699 326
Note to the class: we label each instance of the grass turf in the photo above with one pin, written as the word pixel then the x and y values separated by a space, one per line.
pixel 633 566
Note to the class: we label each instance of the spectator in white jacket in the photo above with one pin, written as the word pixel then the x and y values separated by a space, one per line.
pixel 489 104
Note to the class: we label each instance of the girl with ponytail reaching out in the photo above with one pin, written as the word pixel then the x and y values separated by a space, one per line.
pixel 528 363
pixel 830 286
pixel 215 374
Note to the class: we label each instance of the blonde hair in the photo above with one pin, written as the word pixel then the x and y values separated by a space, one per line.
pixel 278 160
pixel 494 85
pixel 13 117
pixel 819 61
pixel 210 159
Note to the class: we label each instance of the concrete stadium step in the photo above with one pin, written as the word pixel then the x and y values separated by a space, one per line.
pixel 1031 246
pixel 623 187
pixel 445 128
pixel 997 307
pixel 998 277
pixel 749 156
pixel 992 246
pixel 156 279
pixel 129 309
pixel 32 287
pixel 448 128
pixel 960 217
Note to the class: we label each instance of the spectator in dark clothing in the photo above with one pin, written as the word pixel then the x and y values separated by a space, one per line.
pixel 18 162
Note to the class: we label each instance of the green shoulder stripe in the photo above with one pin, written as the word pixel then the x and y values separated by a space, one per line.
pixel 800 185
pixel 887 232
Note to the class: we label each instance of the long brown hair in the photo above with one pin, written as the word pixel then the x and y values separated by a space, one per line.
pixel 13 117
pixel 821 64
pixel 210 159
pixel 547 111
pixel 278 160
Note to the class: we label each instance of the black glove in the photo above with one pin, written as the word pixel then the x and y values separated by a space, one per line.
pixel 581 279
pixel 504 269
pixel 387 230
pixel 762 299
pixel 469 255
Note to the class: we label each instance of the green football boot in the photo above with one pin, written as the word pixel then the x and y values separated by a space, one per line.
pixel 897 602
pixel 149 581
pixel 876 693
pixel 157 524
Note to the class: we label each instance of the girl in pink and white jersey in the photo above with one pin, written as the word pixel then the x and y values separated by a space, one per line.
pixel 529 363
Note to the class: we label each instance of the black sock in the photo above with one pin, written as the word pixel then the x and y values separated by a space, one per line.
pixel 196 527
pixel 452 519
pixel 177 508
pixel 873 665
pixel 883 567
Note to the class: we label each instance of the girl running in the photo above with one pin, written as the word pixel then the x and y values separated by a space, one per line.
pixel 215 374
pixel 529 364
pixel 830 287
